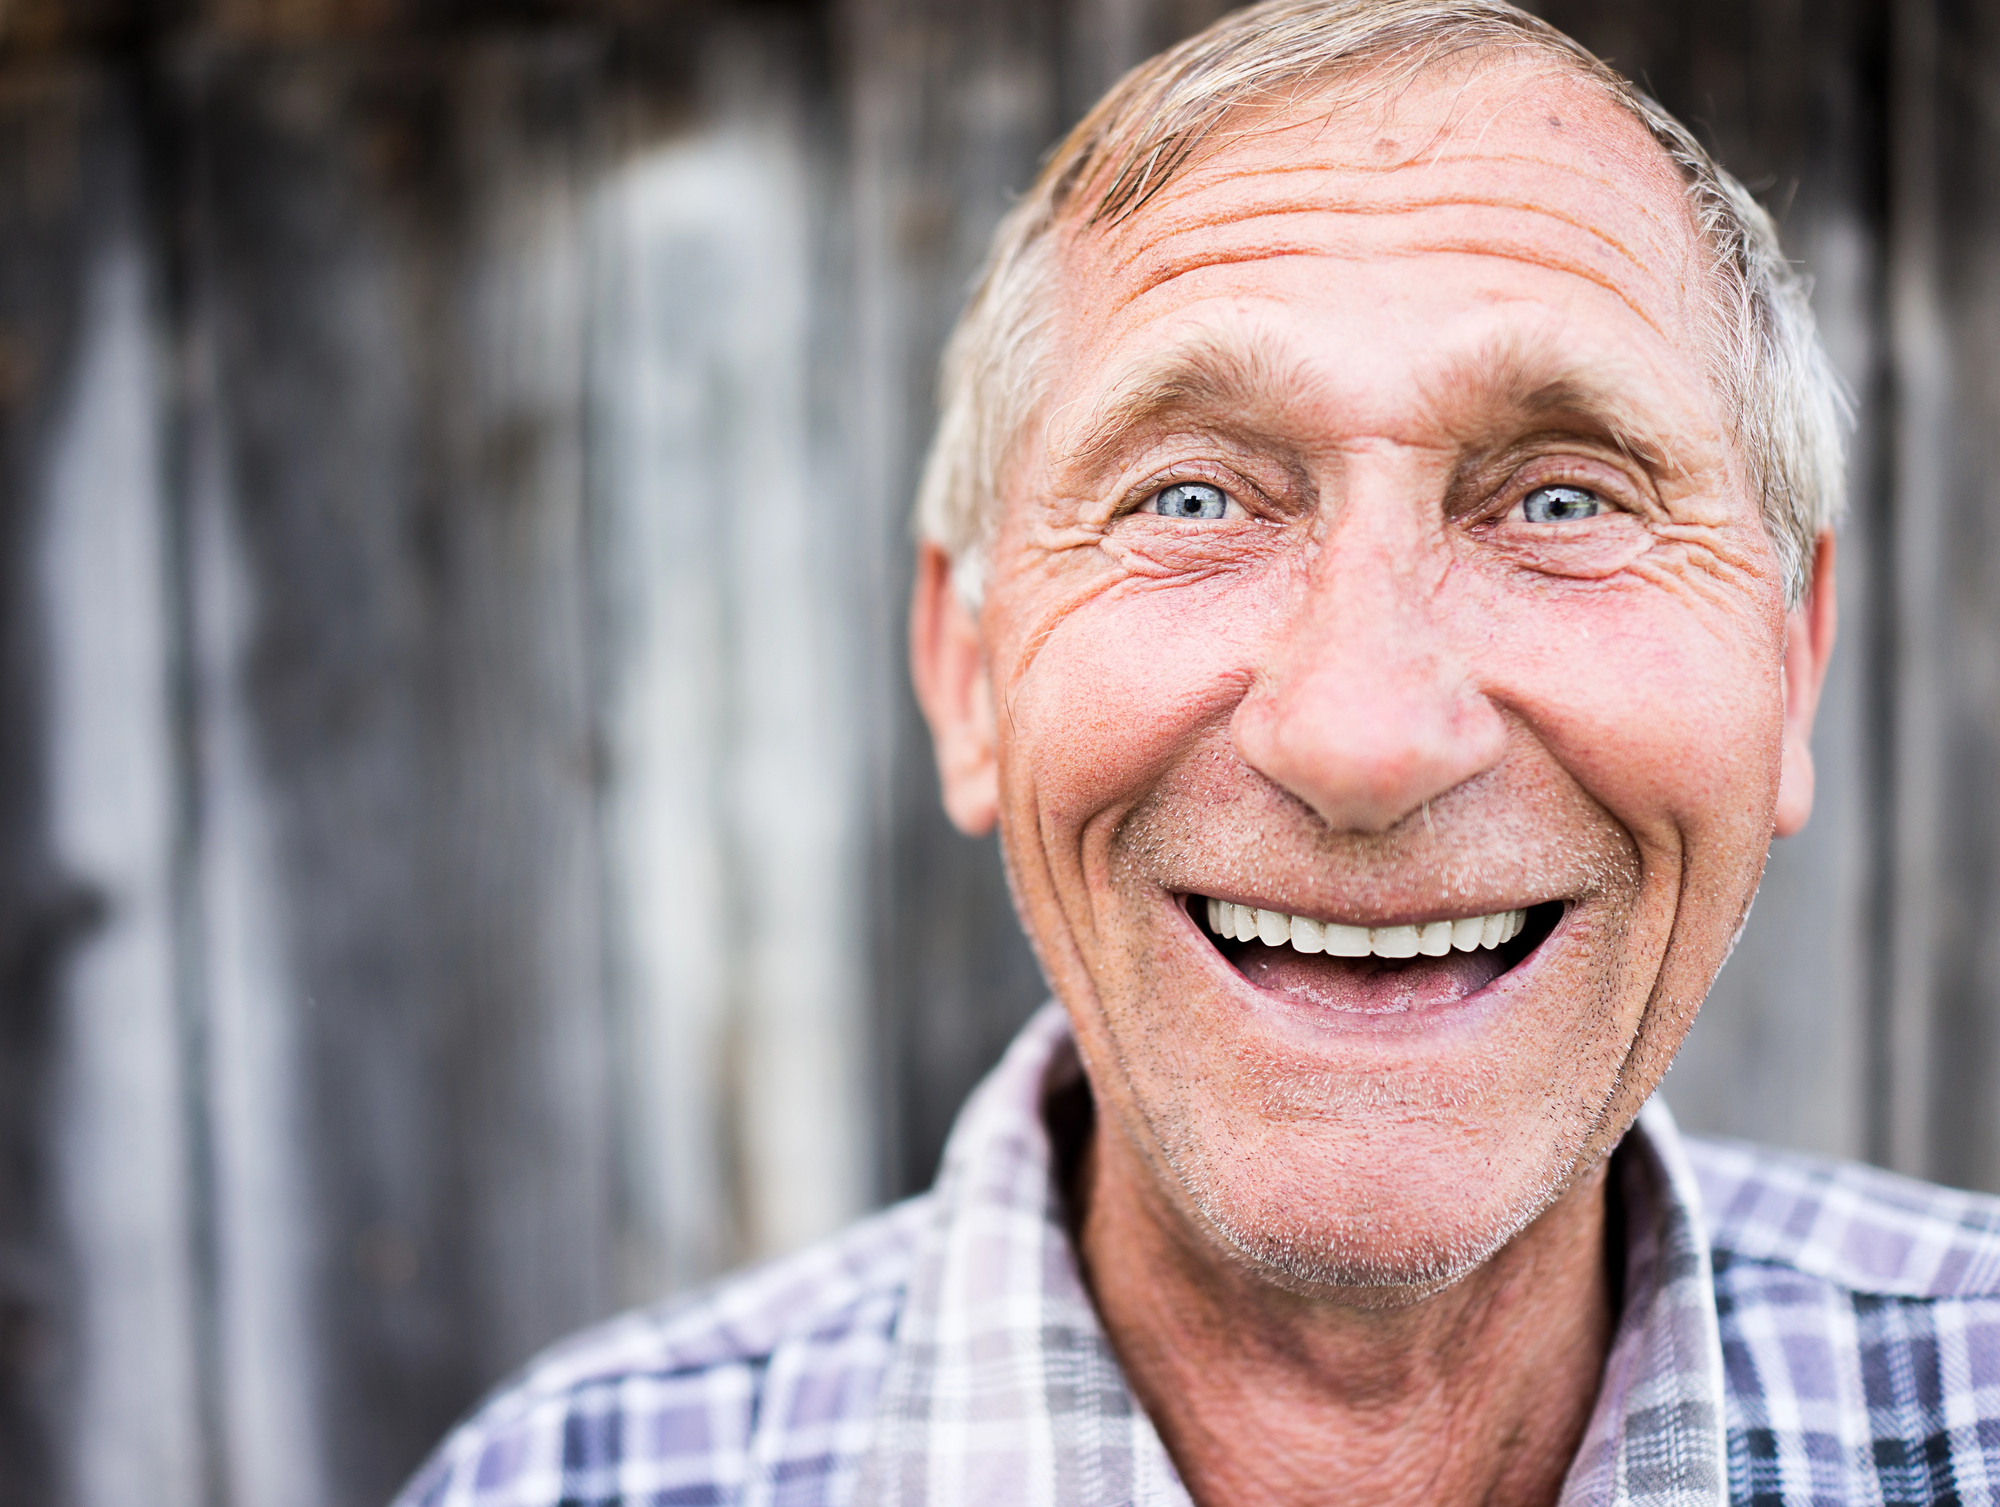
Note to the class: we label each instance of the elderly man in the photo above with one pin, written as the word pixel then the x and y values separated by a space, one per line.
pixel 1377 577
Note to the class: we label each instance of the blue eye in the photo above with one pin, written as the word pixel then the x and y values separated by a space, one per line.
pixel 1191 499
pixel 1560 505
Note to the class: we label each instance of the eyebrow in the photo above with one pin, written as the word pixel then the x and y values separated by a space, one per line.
pixel 1226 384
pixel 1483 399
pixel 1488 397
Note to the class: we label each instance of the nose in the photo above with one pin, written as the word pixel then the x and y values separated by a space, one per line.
pixel 1365 707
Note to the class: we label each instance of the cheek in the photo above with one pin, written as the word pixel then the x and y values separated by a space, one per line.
pixel 1668 711
pixel 1119 686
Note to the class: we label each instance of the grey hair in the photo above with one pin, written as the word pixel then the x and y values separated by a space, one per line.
pixel 1788 405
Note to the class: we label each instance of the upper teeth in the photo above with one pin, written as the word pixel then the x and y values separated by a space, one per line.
pixel 1246 923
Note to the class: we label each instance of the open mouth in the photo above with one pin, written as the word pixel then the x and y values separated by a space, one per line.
pixel 1373 970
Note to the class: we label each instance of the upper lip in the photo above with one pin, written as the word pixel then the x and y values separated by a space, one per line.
pixel 1460 911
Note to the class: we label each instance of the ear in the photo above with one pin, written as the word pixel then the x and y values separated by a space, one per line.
pixel 948 666
pixel 1808 645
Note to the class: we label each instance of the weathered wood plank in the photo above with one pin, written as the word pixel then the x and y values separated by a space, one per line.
pixel 410 1080
pixel 124 1149
pixel 79 905
pixel 1944 1037
pixel 732 651
pixel 949 106
pixel 52 28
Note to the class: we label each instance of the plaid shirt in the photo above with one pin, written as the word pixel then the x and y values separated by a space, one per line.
pixel 1794 1331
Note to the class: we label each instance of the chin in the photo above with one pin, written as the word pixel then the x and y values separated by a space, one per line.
pixel 1380 1218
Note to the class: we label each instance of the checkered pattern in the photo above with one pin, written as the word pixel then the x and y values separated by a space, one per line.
pixel 762 1390
pixel 1860 1324
pixel 1004 1388
pixel 1823 1334
pixel 1655 1436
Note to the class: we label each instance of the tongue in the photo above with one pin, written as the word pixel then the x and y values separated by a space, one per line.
pixel 1371 985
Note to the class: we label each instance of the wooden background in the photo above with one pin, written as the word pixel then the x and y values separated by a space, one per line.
pixel 468 860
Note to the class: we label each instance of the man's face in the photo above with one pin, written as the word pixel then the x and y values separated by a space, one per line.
pixel 1381 557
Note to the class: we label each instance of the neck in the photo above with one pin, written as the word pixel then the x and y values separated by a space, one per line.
pixel 1476 1394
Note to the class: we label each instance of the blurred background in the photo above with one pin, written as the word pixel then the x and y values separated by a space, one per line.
pixel 468 858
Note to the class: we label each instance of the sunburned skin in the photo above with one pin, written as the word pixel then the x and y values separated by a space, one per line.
pixel 1387 676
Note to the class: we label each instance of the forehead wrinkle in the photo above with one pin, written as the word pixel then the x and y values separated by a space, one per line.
pixel 1197 180
pixel 1455 136
pixel 1529 255
pixel 1377 84
pixel 1196 185
pixel 1286 211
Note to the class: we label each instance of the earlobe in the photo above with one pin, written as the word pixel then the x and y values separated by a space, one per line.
pixel 948 668
pixel 1809 633
pixel 1795 786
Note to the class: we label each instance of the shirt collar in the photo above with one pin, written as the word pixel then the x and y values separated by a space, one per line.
pixel 1656 1437
pixel 1002 1387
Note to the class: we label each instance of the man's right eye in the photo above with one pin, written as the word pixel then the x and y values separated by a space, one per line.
pixel 1191 499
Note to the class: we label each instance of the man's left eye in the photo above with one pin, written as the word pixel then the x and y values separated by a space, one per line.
pixel 1190 499
pixel 1560 505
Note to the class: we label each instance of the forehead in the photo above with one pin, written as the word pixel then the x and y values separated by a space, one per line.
pixel 1379 237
